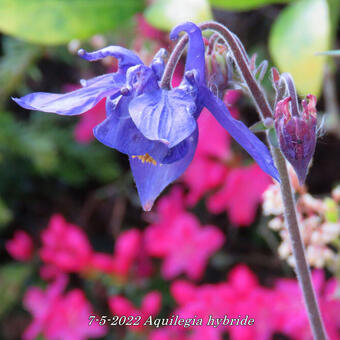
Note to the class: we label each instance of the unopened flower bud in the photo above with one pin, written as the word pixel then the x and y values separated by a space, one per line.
pixel 218 70
pixel 297 134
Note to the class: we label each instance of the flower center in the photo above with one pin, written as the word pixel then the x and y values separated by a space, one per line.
pixel 146 159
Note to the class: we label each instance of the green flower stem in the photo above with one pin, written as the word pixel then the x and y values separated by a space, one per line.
pixel 301 266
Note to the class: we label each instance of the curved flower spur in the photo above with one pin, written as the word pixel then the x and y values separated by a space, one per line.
pixel 156 127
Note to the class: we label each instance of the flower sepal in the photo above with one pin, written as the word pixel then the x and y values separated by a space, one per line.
pixel 297 133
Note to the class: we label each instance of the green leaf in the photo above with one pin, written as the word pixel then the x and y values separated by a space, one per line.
pixel 12 277
pixel 334 12
pixel 332 212
pixel 17 59
pixel 258 127
pixel 165 14
pixel 5 214
pixel 244 5
pixel 273 138
pixel 301 30
pixel 47 143
pixel 53 22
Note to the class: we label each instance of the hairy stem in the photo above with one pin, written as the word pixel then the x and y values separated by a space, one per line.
pixel 242 63
pixel 301 266
pixel 288 80
pixel 302 269
pixel 165 82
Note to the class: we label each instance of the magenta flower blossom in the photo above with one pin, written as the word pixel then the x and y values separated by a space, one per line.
pixel 240 295
pixel 150 306
pixel 57 316
pixel 155 127
pixel 227 188
pixel 297 134
pixel 213 150
pixel 20 247
pixel 184 245
pixel 65 246
pixel 130 256
pixel 39 303
pixel 212 154
pixel 66 249
pixel 239 196
pixel 278 309
pixel 289 302
pixel 83 132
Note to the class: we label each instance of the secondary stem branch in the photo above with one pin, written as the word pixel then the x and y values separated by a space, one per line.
pixel 302 269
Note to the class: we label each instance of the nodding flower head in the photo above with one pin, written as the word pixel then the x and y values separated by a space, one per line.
pixel 155 126
pixel 297 133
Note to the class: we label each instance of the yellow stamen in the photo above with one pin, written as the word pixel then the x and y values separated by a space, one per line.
pixel 146 159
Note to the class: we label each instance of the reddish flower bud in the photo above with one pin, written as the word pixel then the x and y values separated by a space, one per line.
pixel 297 134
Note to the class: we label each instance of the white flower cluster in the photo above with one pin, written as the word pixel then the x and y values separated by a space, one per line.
pixel 318 221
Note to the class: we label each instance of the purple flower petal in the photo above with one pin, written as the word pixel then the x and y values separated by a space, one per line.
pixel 141 79
pixel 151 179
pixel 126 58
pixel 164 115
pixel 158 64
pixel 177 152
pixel 297 134
pixel 297 142
pixel 118 131
pixel 72 103
pixel 195 55
pixel 240 133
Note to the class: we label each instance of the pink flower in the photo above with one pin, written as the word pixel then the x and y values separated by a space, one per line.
pixel 88 120
pixel 83 131
pixel 50 272
pixel 57 316
pixel 20 247
pixel 150 306
pixel 239 297
pixel 213 147
pixel 40 304
pixel 213 152
pixel 146 30
pixel 102 262
pixel 168 333
pixel 241 194
pixel 289 302
pixel 129 257
pixel 126 251
pixel 201 301
pixel 65 246
pixel 168 207
pixel 249 298
pixel 275 310
pixel 178 74
pixel 183 243
pixel 70 319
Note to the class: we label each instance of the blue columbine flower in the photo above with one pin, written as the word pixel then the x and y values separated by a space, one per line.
pixel 155 127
